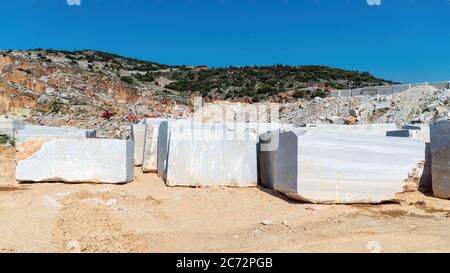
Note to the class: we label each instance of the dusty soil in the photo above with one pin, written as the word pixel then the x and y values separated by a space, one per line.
pixel 147 216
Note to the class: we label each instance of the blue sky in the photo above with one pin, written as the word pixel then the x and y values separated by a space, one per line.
pixel 402 40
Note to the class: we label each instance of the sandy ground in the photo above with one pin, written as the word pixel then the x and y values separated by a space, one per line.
pixel 147 216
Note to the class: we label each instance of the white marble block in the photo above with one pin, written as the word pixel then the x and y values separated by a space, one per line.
pixel 75 160
pixel 229 130
pixel 440 158
pixel 150 160
pixel 212 155
pixel 164 133
pixel 138 136
pixel 324 167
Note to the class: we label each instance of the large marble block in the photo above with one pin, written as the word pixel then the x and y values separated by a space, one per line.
pixel 138 136
pixel 75 160
pixel 164 133
pixel 423 135
pixel 212 155
pixel 150 158
pixel 440 158
pixel 324 167
pixel 229 130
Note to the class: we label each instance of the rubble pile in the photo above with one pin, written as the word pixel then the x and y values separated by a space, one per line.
pixel 417 105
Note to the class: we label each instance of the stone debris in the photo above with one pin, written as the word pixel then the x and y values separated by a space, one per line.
pixel 322 167
pixel 75 160
pixel 440 158
pixel 418 104
pixel 267 222
pixel 74 247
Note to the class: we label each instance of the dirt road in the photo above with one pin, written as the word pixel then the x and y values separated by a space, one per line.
pixel 147 216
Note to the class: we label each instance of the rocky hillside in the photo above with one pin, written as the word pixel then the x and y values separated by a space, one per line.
pixel 94 89
pixel 86 89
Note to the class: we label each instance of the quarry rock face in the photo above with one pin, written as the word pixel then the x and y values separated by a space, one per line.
pixel 323 167
pixel 75 160
pixel 440 158
pixel 13 101
pixel 65 92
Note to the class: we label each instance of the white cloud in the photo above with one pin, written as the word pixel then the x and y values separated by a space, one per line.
pixel 374 2
pixel 73 2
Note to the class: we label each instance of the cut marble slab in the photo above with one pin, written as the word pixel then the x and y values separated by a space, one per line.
pixel 323 167
pixel 164 133
pixel 138 136
pixel 75 160
pixel 150 160
pixel 214 157
pixel 440 158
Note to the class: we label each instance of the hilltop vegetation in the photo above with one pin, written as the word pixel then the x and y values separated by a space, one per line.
pixel 261 82
pixel 251 83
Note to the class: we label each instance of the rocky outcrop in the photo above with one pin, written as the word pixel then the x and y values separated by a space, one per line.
pixel 50 89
